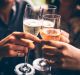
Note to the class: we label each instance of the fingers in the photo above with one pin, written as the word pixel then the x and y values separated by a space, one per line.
pixel 13 50
pixel 29 43
pixel 49 49
pixel 65 34
pixel 64 39
pixel 53 55
pixel 23 42
pixel 19 35
pixel 26 36
pixel 52 43
pixel 13 53
pixel 16 47
pixel 3 41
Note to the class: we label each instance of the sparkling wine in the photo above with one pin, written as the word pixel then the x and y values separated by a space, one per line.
pixel 48 24
pixel 32 26
pixel 50 34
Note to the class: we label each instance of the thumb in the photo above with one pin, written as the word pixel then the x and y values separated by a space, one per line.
pixel 58 44
pixel 64 39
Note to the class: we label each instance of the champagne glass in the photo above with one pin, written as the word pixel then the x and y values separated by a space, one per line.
pixel 31 25
pixel 31 22
pixel 50 29
pixel 47 9
pixel 40 64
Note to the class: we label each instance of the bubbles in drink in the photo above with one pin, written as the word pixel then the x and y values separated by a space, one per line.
pixel 50 34
pixel 47 23
pixel 32 26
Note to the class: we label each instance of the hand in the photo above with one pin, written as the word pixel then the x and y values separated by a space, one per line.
pixel 63 55
pixel 17 43
pixel 64 36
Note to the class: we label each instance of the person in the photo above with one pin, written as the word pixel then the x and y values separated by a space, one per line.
pixel 11 17
pixel 17 41
pixel 70 21
pixel 17 44
pixel 3 33
pixel 20 41
pixel 69 11
pixel 10 20
pixel 13 49
pixel 69 55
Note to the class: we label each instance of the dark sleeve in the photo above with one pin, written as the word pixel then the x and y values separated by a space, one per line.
pixel 76 40
pixel 76 12
pixel 16 23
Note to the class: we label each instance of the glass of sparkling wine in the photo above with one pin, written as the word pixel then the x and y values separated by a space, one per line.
pixel 48 24
pixel 47 9
pixel 31 21
pixel 50 29
pixel 31 25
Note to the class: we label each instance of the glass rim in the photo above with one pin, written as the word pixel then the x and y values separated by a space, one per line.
pixel 46 16
pixel 28 5
pixel 51 6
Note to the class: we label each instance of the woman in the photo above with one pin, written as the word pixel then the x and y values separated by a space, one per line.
pixel 69 54
pixel 10 21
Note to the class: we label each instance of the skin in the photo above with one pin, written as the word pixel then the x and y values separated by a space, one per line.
pixel 63 55
pixel 17 41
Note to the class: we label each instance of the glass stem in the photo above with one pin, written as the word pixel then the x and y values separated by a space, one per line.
pixel 26 58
